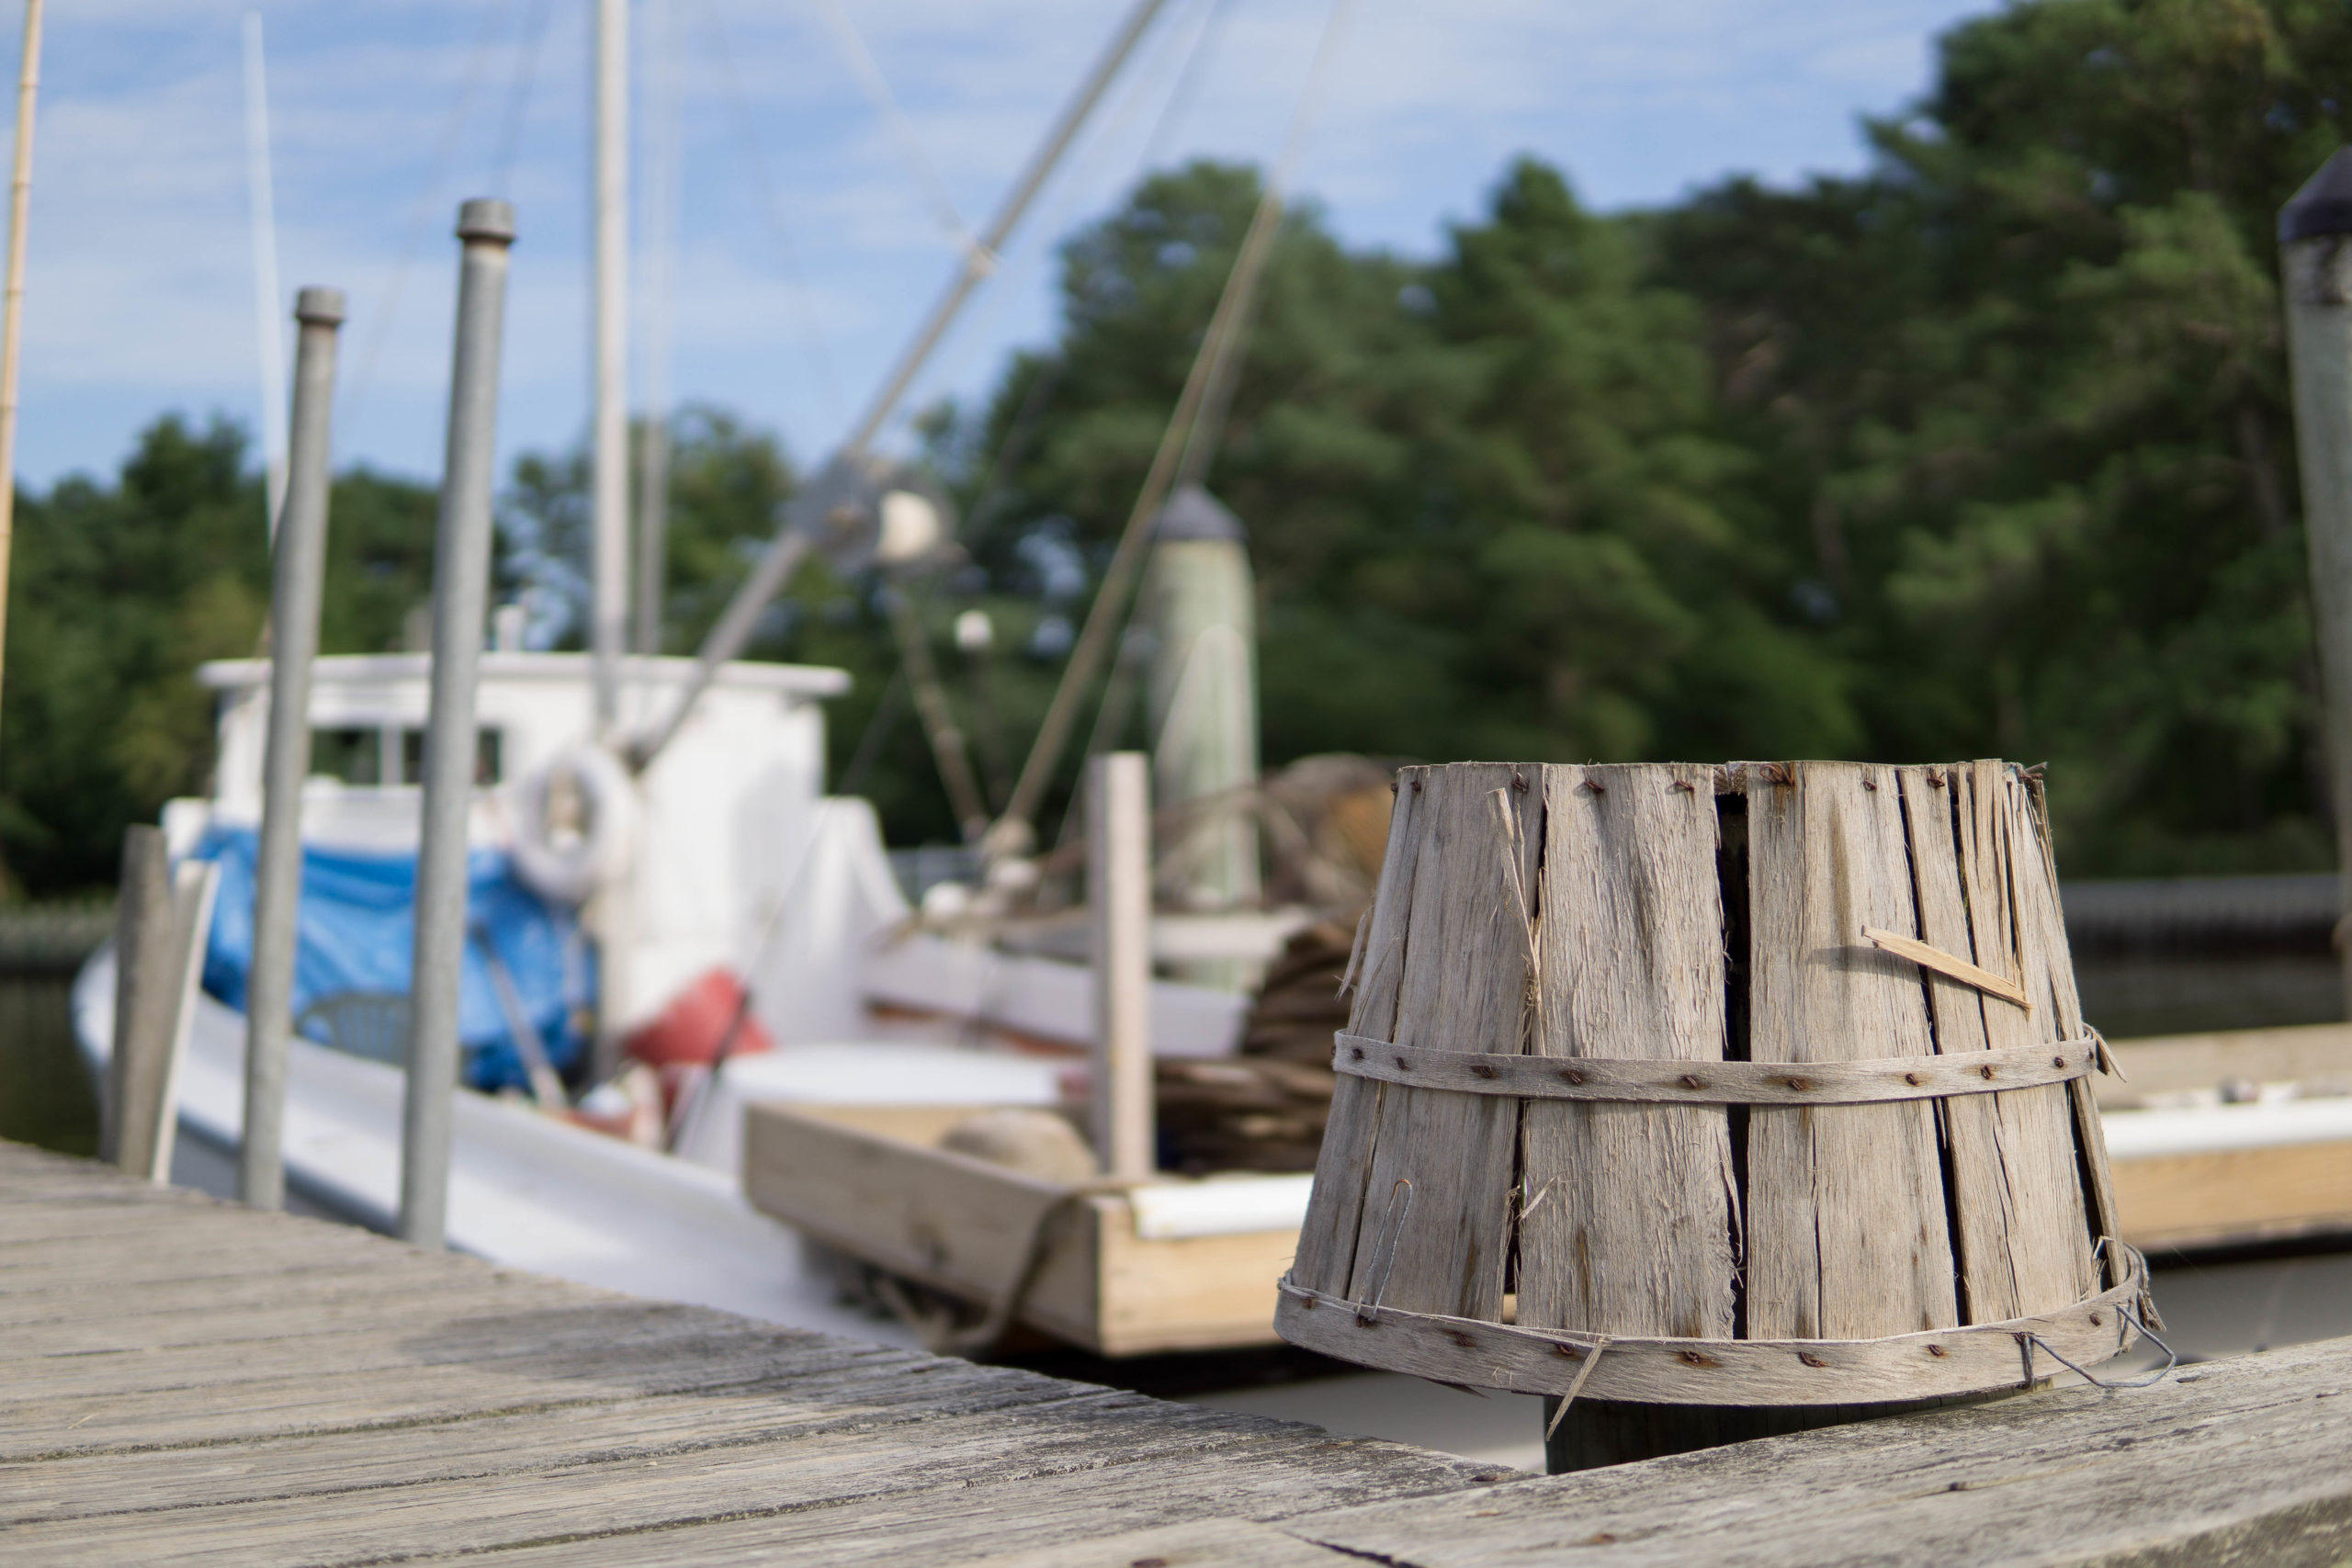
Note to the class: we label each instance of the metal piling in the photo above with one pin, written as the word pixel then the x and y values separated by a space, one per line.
pixel 460 601
pixel 298 584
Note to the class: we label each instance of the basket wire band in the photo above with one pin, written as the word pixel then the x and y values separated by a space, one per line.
pixel 1673 1081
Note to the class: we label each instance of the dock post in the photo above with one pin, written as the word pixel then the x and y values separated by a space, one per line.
pixel 299 578
pixel 460 602
pixel 142 963
pixel 1119 874
pixel 2315 262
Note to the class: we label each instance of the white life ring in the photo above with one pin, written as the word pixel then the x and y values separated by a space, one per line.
pixel 574 821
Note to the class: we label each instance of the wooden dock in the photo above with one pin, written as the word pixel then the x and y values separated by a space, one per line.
pixel 186 1380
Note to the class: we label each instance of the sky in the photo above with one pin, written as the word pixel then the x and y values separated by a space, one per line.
pixel 806 229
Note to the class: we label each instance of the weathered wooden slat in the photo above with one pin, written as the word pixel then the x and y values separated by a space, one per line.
pixel 397 1305
pixel 2241 1462
pixel 219 1295
pixel 1847 1230
pixel 1625 1080
pixel 306 1404
pixel 865 1398
pixel 1026 1510
pixel 1327 1240
pixel 2047 1240
pixel 483 1339
pixel 1715 1371
pixel 1634 1205
pixel 2047 965
pixel 1201 1460
pixel 1435 1230
pixel 1211 1543
pixel 1983 1199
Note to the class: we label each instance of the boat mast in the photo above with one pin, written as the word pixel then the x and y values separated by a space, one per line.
pixel 608 611
pixel 11 298
pixel 272 340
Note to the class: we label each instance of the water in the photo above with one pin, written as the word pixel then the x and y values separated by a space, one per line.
pixel 45 1095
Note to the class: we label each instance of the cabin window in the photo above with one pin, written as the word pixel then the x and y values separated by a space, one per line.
pixel 353 756
pixel 490 756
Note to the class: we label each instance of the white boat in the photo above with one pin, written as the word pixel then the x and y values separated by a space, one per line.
pixel 727 855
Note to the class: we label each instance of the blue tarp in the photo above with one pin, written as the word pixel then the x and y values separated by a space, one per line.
pixel 358 933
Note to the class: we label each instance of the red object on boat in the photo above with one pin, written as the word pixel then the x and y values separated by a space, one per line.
pixel 695 1024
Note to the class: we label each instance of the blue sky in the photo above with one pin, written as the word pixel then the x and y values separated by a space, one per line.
pixel 806 243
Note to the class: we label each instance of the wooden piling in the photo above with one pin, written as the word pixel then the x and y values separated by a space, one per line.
pixel 144 948
pixel 2315 260
pixel 1118 828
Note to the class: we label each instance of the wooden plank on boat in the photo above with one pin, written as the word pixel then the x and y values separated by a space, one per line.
pixel 1632 965
pixel 866 1180
pixel 2317 1054
pixel 1848 1236
pixel 2229 1196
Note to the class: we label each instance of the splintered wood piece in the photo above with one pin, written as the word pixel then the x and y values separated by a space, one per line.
pixel 1847 1238
pixel 2049 971
pixel 1631 1211
pixel 1949 966
pixel 1463 986
pixel 1327 1241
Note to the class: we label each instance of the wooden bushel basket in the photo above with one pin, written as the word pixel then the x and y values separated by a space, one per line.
pixel 1756 1086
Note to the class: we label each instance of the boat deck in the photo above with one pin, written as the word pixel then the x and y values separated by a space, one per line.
pixel 182 1379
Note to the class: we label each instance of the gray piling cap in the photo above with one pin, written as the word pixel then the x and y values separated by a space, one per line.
pixel 2324 207
pixel 486 218
pixel 1193 513
pixel 316 307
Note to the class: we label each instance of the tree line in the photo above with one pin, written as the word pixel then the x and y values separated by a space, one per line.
pixel 1984 450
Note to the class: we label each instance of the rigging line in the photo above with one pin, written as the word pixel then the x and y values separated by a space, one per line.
pixel 876 87
pixel 1069 192
pixel 519 96
pixel 1015 830
pixel 1200 445
pixel 445 159
pixel 1180 101
pixel 260 187
pixel 720 48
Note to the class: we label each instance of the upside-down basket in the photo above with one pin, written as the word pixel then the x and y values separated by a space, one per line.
pixel 1758 1085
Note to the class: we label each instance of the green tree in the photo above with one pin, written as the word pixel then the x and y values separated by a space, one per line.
pixel 2018 401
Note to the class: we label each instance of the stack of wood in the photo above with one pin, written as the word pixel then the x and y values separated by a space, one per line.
pixel 1264 1109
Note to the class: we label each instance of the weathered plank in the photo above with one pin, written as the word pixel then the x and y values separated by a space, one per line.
pixel 574 1327
pixel 2048 968
pixel 1031 1508
pixel 1197 1545
pixel 1327 1241
pixel 1436 1228
pixel 865 1396
pixel 2017 1204
pixel 306 1404
pixel 1847 1232
pixel 2242 1461
pixel 1630 1212
pixel 1197 1460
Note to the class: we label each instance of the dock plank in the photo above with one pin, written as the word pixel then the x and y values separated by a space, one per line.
pixel 604 1430
pixel 2247 1460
